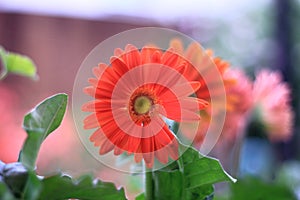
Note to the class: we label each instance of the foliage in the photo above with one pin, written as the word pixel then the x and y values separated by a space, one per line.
pixel 251 188
pixel 38 124
pixel 16 64
pixel 19 180
pixel 190 178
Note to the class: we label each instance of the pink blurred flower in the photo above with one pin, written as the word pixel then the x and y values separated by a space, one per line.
pixel 239 94
pixel 271 97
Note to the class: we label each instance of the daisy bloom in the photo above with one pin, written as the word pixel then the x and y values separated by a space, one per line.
pixel 196 55
pixel 271 99
pixel 131 98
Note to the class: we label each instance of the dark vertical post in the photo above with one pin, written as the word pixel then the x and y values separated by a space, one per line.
pixel 283 35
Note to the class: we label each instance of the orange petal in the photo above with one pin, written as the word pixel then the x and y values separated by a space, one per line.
pixel 91 121
pixel 170 58
pixel 106 147
pixel 133 56
pixel 176 44
pixel 118 66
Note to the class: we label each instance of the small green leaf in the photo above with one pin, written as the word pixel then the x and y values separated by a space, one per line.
pixel 17 64
pixel 38 124
pixel 63 187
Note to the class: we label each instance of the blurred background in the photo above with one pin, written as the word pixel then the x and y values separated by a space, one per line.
pixel 59 34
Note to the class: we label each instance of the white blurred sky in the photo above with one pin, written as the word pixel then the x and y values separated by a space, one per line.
pixel 158 10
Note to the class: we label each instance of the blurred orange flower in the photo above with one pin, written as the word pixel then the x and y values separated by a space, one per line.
pixel 131 97
pixel 197 56
pixel 241 102
pixel 237 116
pixel 194 54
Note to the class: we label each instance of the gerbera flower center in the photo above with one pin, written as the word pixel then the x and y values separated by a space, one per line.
pixel 142 105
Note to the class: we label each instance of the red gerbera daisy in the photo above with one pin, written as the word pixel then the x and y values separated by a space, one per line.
pixel 133 95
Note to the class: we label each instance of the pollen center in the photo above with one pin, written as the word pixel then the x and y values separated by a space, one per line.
pixel 142 105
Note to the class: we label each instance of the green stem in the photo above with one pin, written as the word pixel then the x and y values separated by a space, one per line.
pixel 149 186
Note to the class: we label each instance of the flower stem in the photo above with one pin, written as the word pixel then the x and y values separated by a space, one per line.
pixel 239 144
pixel 149 186
pixel 237 157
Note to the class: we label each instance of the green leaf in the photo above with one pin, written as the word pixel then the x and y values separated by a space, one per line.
pixel 255 189
pixel 63 187
pixel 140 197
pixel 17 64
pixel 204 192
pixel 167 184
pixel 200 171
pixel 5 193
pixel 38 124
pixel 191 177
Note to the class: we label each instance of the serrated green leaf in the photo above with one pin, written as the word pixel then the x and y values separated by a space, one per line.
pixel 63 187
pixel 17 64
pixel 203 172
pixel 190 178
pixel 38 124
pixel 5 193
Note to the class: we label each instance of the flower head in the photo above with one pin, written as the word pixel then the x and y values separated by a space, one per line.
pixel 211 87
pixel 132 96
pixel 271 98
pixel 242 102
pixel 198 58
